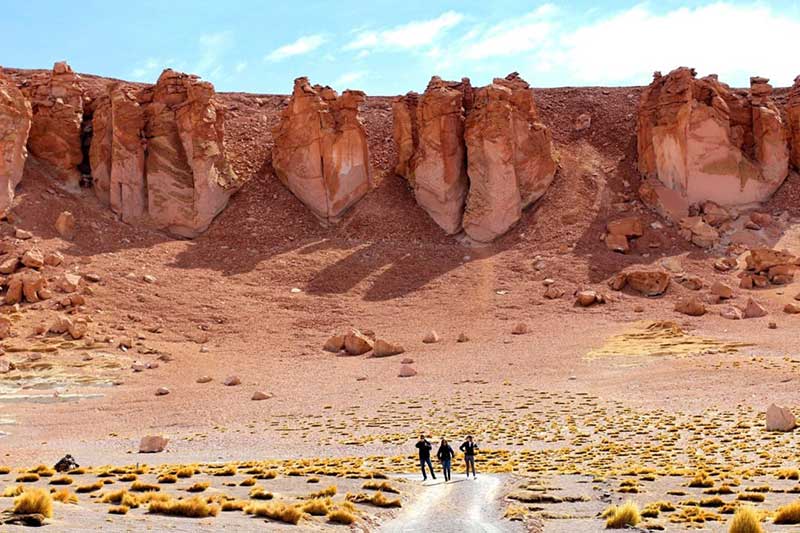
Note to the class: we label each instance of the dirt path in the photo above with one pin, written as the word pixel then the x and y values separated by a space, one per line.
pixel 464 505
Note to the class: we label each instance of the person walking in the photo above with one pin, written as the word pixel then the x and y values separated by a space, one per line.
pixel 424 448
pixel 469 447
pixel 445 454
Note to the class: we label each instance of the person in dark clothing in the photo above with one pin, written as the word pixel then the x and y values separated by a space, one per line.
pixel 445 454
pixel 469 447
pixel 424 448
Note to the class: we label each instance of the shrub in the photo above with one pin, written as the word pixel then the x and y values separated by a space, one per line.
pixel 28 477
pixel 167 478
pixel 194 507
pixel 746 521
pixel 324 493
pixel 234 505
pixel 266 475
pixel 788 514
pixel 625 515
pixel 199 486
pixel 4 470
pixel 383 486
pixel 248 482
pixel 118 509
pixel 378 499
pixel 61 480
pixel 121 497
pixel 750 497
pixel 341 516
pixel 140 486
pixel 34 501
pixel 65 496
pixel 317 506
pixel 92 487
pixel 186 472
pixel 258 493
pixel 12 491
pixel 77 471
pixel 229 470
pixel 280 511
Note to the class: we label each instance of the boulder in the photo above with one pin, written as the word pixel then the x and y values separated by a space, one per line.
pixel 725 264
pixel 205 379
pixel 731 313
pixel 56 130
pixel 259 395
pixel 780 418
pixel 706 142
pixel 65 225
pixel 153 444
pixel 628 227
pixel 320 150
pixel 383 348
pixel 9 265
pixel 65 464
pixel 648 282
pixel 53 259
pixel 715 215
pixel 753 309
pixel 553 293
pixel 693 283
pixel 15 124
pixel 334 344
pixel 791 308
pixel 162 391
pixel 356 343
pixel 586 298
pixel 762 259
pixel 431 337
pixel 232 381
pixel 189 179
pixel 617 243
pixel 721 290
pixel 33 258
pixel 429 134
pixel 793 119
pixel 691 306
pixel 406 371
pixel 29 285
pixel 510 157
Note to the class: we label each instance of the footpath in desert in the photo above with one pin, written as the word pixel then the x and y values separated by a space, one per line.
pixel 239 311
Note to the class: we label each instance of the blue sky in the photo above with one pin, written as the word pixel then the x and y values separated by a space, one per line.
pixel 393 47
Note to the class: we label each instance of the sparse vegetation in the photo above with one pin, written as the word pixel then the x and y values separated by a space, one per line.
pixel 118 509
pixel 788 514
pixel 167 478
pixel 279 511
pixel 65 496
pixel 618 517
pixel 324 493
pixel 383 486
pixel 199 487
pixel 61 480
pixel 378 499
pixel 140 486
pixel 91 487
pixel 234 505
pixel 258 493
pixel 318 506
pixel 341 516
pixel 746 520
pixel 194 507
pixel 34 501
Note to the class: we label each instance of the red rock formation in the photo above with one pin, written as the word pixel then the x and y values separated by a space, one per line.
pixel 185 180
pixel 320 151
pixel 55 136
pixel 429 132
pixel 793 116
pixel 699 140
pixel 510 157
pixel 15 123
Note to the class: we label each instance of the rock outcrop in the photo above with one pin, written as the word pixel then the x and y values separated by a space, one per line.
pixel 474 158
pixel 699 140
pixel 55 136
pixel 510 159
pixel 15 124
pixel 320 151
pixel 160 153
pixel 793 118
pixel 429 133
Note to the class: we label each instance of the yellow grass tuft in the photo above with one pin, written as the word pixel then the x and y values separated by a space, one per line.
pixel 28 477
pixel 750 497
pixel 128 477
pixel 141 486
pixel 229 470
pixel 324 493
pixel 341 516
pixel 65 496
pixel 194 507
pixel 61 480
pixel 11 491
pixel 788 514
pixel 746 520
pixel 378 499
pixel 625 515
pixel 186 472
pixel 318 506
pixel 234 505
pixel 248 482
pixel 200 486
pixel 258 493
pixel 280 511
pixel 91 487
pixel 118 509
pixel 383 486
pixel 167 478
pixel 4 470
pixel 34 501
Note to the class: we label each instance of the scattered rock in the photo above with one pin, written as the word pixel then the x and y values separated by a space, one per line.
pixel 780 418
pixel 162 391
pixel 153 444
pixel 407 371
pixel 731 313
pixel 383 348
pixel 6 366
pixel 692 306
pixel 356 343
pixel 147 278
pixel 753 309
pixel 586 298
pixel 584 121
pixel 232 381
pixel 431 337
pixel 553 293
pixel 65 464
pixel 33 258
pixel 5 328
pixel 334 344
pixel 23 235
pixel 627 227
pixel 520 328
pixel 53 259
pixel 204 379
pixel 65 225
pixel 648 282
pixel 792 308
pixel 259 395
pixel 720 289
pixel 462 337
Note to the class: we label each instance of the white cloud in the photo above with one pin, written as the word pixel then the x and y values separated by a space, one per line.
pixel 303 45
pixel 213 47
pixel 149 69
pixel 734 41
pixel 240 67
pixel 509 37
pixel 349 77
pixel 414 34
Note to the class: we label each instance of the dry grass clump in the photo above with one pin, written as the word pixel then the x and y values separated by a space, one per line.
pixel 701 480
pixel 341 516
pixel 751 497
pixel 324 493
pixel 383 486
pixel 4 470
pixel 43 471
pixel 34 501
pixel 318 506
pixel 280 511
pixel 194 507
pixel 12 491
pixel 788 514
pixel 65 496
pixel 248 482
pixel 258 493
pixel 746 520
pixel 515 513
pixel 28 477
pixel 167 478
pixel 61 480
pixel 378 499
pixel 118 509
pixel 788 473
pixel 618 517
pixel 186 472
pixel 271 474
pixel 141 486
pixel 229 470
pixel 234 505
pixel 77 471
pixel 652 510
pixel 312 480
pixel 199 486
pixel 91 487
pixel 121 497
pixel 715 501
pixel 128 477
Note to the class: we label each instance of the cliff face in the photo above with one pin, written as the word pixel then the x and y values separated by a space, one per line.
pixel 15 123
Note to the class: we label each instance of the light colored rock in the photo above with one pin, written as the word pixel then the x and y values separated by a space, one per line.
pixel 53 259
pixel 259 395
pixel 553 292
pixel 731 313
pixel 780 419
pixel 356 343
pixel 429 133
pixel 23 235
pixel 791 308
pixel 383 348
pixel 510 158
pixel 586 298
pixel 721 290
pixel 583 122
pixel 648 282
pixel 706 142
pixel 153 444
pixel 431 337
pixel 9 265
pixel 162 391
pixel 149 278
pixel 692 306
pixel 617 243
pixel 70 282
pixel 407 371
pixel 65 225
pixel 33 258
pixel 204 379
pixel 232 381
pixel 334 344
pixel 15 124
pixel 320 151
pixel 628 227
pixel 753 309
pixel 762 259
